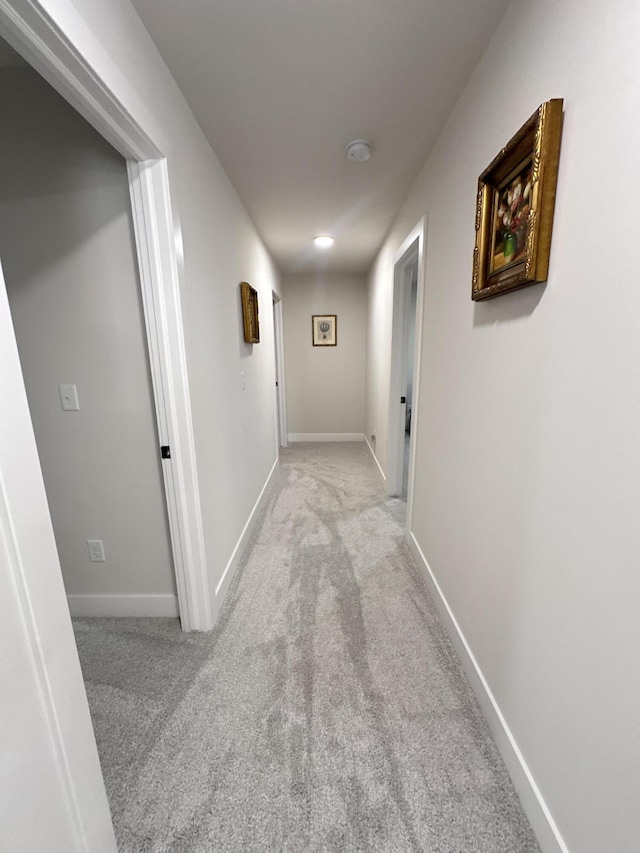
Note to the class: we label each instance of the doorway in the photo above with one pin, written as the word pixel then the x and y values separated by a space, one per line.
pixel 56 60
pixel 278 340
pixel 408 295
pixel 411 288
pixel 71 276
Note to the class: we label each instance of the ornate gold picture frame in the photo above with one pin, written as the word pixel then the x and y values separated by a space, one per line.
pixel 250 313
pixel 515 203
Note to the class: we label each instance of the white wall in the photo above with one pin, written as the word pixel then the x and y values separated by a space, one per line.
pixel 69 260
pixel 527 484
pixel 325 385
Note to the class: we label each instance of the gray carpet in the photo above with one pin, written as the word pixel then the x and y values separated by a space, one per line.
pixel 326 712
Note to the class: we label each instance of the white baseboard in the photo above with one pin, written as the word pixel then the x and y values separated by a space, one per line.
pixel 533 803
pixel 123 605
pixel 232 565
pixel 325 436
pixel 379 470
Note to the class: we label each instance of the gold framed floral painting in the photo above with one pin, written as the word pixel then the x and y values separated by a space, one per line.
pixel 250 316
pixel 515 203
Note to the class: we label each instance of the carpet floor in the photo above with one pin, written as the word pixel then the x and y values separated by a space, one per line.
pixel 327 711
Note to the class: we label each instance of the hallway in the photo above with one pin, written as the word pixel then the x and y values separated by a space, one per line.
pixel 327 710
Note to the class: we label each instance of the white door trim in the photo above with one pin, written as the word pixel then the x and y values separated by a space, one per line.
pixel 29 28
pixel 153 226
pixel 413 244
pixel 281 399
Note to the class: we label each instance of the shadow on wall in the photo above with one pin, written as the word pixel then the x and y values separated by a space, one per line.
pixel 509 306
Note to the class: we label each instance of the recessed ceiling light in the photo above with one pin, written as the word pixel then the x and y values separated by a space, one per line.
pixel 359 149
pixel 323 241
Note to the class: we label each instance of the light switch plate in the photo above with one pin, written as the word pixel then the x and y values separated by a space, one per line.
pixel 69 398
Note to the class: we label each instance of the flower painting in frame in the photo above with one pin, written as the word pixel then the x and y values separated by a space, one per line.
pixel 324 330
pixel 509 238
pixel 250 315
pixel 515 204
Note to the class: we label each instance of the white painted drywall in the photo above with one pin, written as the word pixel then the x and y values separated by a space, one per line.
pixel 69 258
pixel 325 385
pixel 527 485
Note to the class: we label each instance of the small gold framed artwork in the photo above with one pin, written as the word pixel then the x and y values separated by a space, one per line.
pixel 250 317
pixel 324 330
pixel 515 203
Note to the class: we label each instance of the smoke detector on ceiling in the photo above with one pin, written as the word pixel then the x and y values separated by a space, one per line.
pixel 359 150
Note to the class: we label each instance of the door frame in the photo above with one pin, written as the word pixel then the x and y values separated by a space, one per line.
pixel 35 35
pixel 46 692
pixel 281 399
pixel 413 245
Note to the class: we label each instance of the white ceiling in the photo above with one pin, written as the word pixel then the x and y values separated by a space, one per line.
pixel 280 86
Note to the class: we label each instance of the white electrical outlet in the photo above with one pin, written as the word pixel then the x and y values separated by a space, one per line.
pixel 96 550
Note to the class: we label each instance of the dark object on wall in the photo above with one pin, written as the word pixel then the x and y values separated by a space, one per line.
pixel 250 313
pixel 324 330
pixel 514 213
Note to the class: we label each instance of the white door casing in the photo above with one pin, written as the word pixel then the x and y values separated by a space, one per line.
pixel 157 263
